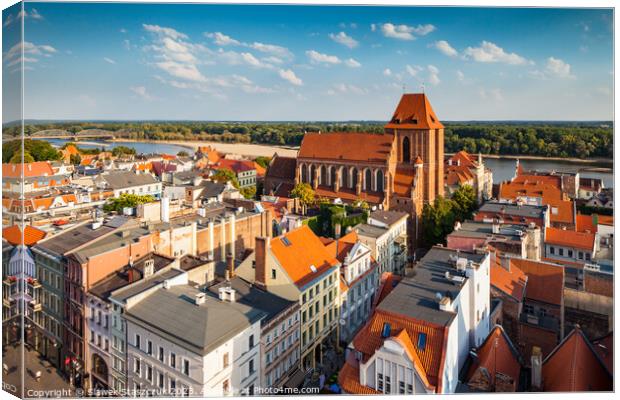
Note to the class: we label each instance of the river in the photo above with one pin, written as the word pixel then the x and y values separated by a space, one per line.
pixel 503 168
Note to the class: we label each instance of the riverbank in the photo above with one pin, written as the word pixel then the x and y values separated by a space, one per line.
pixel 241 149
pixel 599 161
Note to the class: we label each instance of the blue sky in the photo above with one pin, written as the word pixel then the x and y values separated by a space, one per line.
pixel 218 62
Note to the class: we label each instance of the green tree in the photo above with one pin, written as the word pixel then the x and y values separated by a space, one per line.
pixel 464 203
pixel 263 161
pixel 225 175
pixel 39 150
pixel 248 192
pixel 305 194
pixel 437 221
pixel 75 159
pixel 126 200
pixel 17 158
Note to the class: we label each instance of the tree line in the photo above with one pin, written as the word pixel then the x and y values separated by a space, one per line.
pixel 569 139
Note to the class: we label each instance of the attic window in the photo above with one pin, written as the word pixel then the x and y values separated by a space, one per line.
pixel 432 118
pixel 421 341
pixel 286 241
pixel 387 329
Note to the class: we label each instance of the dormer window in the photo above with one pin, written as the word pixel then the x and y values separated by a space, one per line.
pixel 421 341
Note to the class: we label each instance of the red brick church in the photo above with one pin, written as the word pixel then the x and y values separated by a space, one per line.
pixel 399 169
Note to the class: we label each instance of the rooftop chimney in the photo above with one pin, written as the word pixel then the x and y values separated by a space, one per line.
pixel 200 298
pixel 230 264
pixel 260 264
pixel 227 294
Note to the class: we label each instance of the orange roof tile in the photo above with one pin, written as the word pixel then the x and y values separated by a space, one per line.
pixel 545 281
pixel 349 379
pixel 464 159
pixel 553 180
pixel 33 169
pixel 13 235
pixel 561 207
pixel 414 111
pixel 497 355
pixel 369 339
pixel 369 147
pixel 305 249
pixel 565 237
pixel 511 282
pixel 236 166
pixel 574 366
pixel 260 171
pixel 349 195
pixel 343 245
pixel 403 181
pixel 585 223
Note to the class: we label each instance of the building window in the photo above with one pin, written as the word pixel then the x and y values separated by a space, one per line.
pixel 570 253
pixel 251 367
pixel 160 379
pixel 401 387
pixel 421 341
pixel 388 384
pixel 173 386
pixel 273 273
pixel 580 256
pixel 149 348
pixel 173 360
pixel 587 256
pixel 380 382
pixel 551 249
pixel 138 341
pixel 251 342
pixel 225 360
pixel 225 386
pixel 561 251
pixel 149 373
pixel 161 354
pixel 186 367
pixel 137 367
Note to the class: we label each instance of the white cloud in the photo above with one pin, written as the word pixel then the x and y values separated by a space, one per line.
pixel 445 48
pixel 33 14
pixel 387 72
pixel 317 58
pixel 221 39
pixel 433 75
pixel 163 31
pixel 558 68
pixel 183 71
pixel 122 30
pixel 344 40
pixel 26 52
pixel 373 27
pixel 413 70
pixel 489 52
pixel 352 63
pixel 460 76
pixel 109 60
pixel 278 51
pixel 405 32
pixel 289 76
pixel 141 91
pixel 345 88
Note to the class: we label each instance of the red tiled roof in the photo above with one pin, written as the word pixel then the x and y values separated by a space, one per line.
pixel 568 238
pixel 13 235
pixel 561 208
pixel 545 281
pixel 403 181
pixel 414 111
pixel 350 146
pixel 305 249
pixel 574 366
pixel 497 355
pixel 369 339
pixel 511 282
pixel 344 245
pixel 604 347
pixel 553 180
pixel 464 159
pixel 33 169
pixel 349 195
pixel 282 167
pixel 349 378
pixel 236 166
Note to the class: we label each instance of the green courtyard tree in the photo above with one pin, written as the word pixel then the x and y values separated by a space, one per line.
pixel 437 221
pixel 225 175
pixel 305 194
pixel 126 200
pixel 464 203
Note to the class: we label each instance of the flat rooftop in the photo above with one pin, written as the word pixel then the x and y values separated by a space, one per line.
pixel 417 296
pixel 523 210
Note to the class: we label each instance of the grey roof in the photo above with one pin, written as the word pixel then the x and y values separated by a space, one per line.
pixel 370 230
pixel 514 209
pixel 211 189
pixel 129 274
pixel 172 314
pixel 124 293
pixel 484 230
pixel 125 179
pixel 388 217
pixel 416 296
pixel 73 238
pixel 189 262
pixel 186 174
pixel 250 295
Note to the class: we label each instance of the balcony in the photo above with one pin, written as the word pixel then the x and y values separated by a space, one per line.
pixel 35 305
pixel 34 283
pixel 9 280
